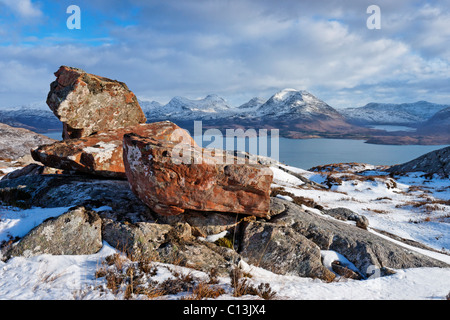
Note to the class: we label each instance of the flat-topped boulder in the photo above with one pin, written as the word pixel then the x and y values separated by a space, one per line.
pixel 102 153
pixel 88 103
pixel 171 179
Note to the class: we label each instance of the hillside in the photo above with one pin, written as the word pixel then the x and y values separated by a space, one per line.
pixel 116 213
pixel 17 142
pixel 440 122
pixel 408 114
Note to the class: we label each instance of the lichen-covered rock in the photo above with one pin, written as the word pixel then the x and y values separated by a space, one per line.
pixel 140 239
pixel 283 251
pixel 364 249
pixel 167 243
pixel 63 190
pixel 347 214
pixel 102 153
pixel 170 183
pixel 204 224
pixel 75 232
pixel 30 170
pixel 87 103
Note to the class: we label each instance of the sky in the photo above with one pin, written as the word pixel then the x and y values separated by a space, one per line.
pixel 237 49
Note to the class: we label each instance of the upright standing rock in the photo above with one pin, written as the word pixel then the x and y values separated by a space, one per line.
pixel 87 103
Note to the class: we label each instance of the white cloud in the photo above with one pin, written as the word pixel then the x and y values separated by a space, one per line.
pixel 24 8
pixel 240 49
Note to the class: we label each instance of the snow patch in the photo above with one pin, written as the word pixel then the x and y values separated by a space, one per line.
pixel 102 151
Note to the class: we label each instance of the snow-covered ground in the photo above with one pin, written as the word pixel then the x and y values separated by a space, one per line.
pixel 409 206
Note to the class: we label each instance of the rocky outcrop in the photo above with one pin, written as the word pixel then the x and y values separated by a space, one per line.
pixel 64 190
pixel 168 243
pixel 30 170
pixel 289 243
pixel 364 249
pixel 75 232
pixel 17 142
pixel 169 183
pixel 87 103
pixel 434 162
pixel 347 214
pixel 283 251
pixel 102 153
pixel 228 215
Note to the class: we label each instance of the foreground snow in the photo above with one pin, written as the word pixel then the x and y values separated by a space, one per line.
pixel 73 277
pixel 409 206
pixel 393 207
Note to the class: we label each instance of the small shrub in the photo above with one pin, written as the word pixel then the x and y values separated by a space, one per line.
pixel 242 286
pixel 205 290
pixel 296 199
pixel 265 291
pixel 226 242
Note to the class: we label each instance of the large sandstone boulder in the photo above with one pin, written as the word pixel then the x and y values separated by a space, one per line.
pixel 170 182
pixel 87 103
pixel 102 153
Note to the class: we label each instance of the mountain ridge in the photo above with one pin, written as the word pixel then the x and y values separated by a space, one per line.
pixel 409 114
pixel 296 113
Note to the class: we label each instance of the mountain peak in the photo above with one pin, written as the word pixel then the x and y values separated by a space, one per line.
pixel 287 93
pixel 253 103
pixel 298 104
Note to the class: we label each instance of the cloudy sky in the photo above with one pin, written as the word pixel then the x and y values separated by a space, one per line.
pixel 237 49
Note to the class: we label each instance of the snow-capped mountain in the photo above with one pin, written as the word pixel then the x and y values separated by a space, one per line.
pixel 147 106
pixel 296 113
pixel 297 104
pixel 252 104
pixel 288 102
pixel 180 108
pixel 395 114
pixel 290 110
pixel 35 116
pixel 439 123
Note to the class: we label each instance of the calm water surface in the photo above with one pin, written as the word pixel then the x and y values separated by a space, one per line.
pixel 307 153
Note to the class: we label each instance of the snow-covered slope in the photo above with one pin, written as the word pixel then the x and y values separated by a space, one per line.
pixel 210 107
pixel 148 106
pixel 35 116
pixel 440 122
pixel 17 142
pixel 252 104
pixel 412 208
pixel 296 103
pixel 389 113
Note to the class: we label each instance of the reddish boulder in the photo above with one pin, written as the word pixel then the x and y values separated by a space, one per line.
pixel 101 153
pixel 170 182
pixel 87 103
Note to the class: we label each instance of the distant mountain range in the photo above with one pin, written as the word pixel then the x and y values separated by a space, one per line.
pixel 35 117
pixel 408 114
pixel 296 113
